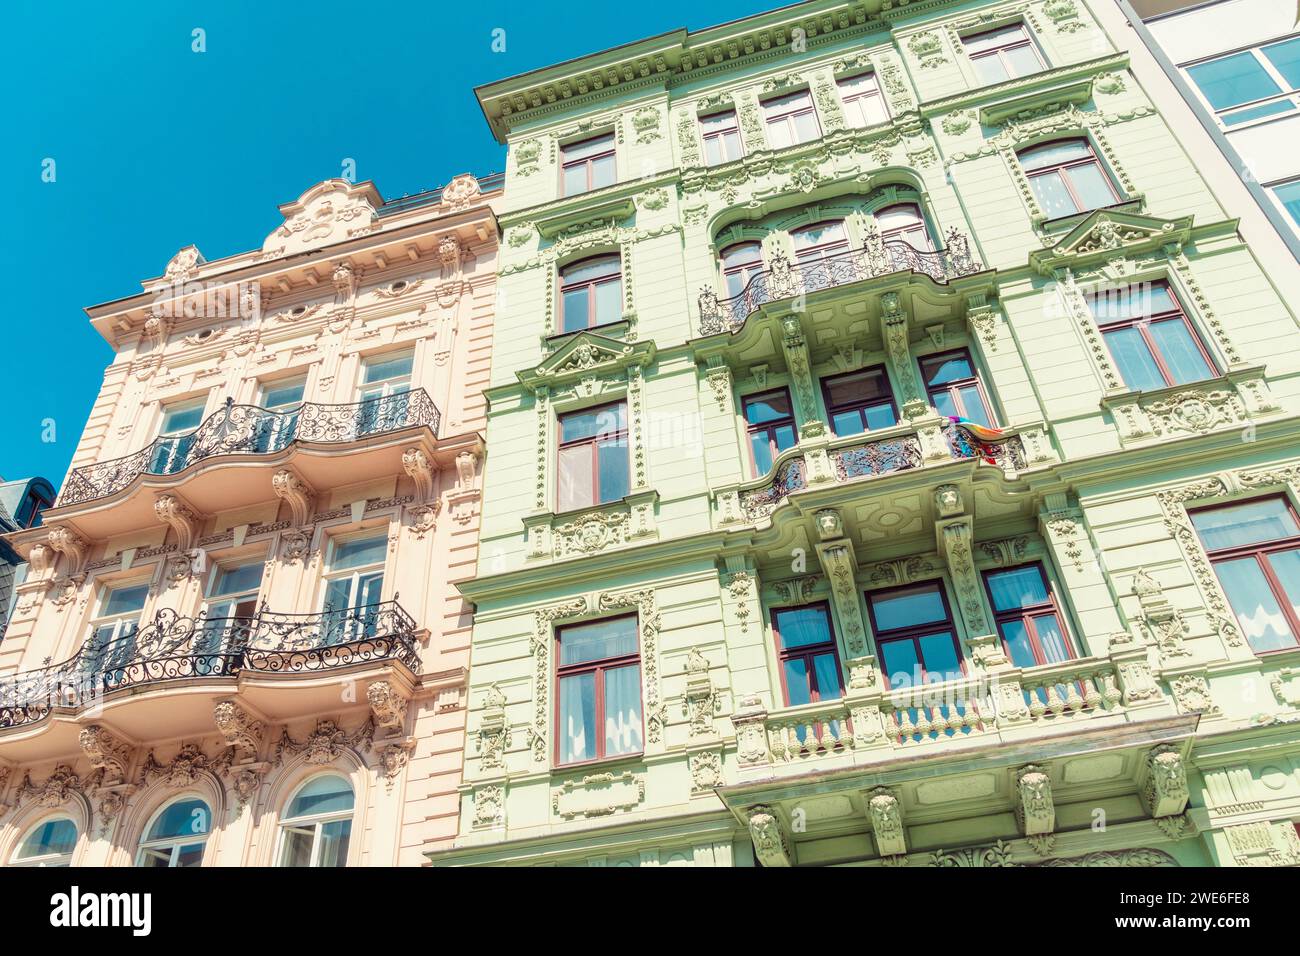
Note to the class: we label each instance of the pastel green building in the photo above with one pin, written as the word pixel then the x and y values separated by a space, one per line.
pixel 893 462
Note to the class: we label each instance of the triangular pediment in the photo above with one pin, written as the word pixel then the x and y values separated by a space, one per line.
pixel 587 354
pixel 1110 233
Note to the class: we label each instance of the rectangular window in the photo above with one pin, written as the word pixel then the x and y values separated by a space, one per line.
pixel 770 423
pixel 954 388
pixel 1149 337
pixel 354 586
pixel 1287 195
pixel 598 676
pixel 591 293
pixel 232 605
pixel 1003 54
pixel 587 165
pixel 385 382
pixel 807 655
pixel 1067 178
pixel 863 103
pixel 593 457
pixel 111 644
pixel 1255 550
pixel 1250 84
pixel 283 400
pixel 915 635
pixel 176 435
pixel 860 401
pixel 721 137
pixel 790 120
pixel 1032 630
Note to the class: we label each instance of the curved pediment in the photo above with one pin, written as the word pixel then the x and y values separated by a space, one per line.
pixel 331 211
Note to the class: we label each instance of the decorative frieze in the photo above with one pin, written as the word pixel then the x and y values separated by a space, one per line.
pixel 598 795
pixel 326 743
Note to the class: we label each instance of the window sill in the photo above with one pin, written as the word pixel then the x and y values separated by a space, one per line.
pixel 608 763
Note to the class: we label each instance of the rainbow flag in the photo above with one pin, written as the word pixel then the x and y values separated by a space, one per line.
pixel 979 432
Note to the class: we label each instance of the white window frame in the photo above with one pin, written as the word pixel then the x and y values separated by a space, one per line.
pixel 1257 50
pixel 174 843
pixel 116 620
pixel 317 821
pixel 48 859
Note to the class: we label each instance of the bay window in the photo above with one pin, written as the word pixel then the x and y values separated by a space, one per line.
pixel 1149 336
pixel 587 165
pixel 593 457
pixel 769 421
pixel 860 401
pixel 1028 620
pixel 915 635
pixel 591 293
pixel 598 676
pixel 807 655
pixel 1067 178
pixel 1254 548
pixel 790 120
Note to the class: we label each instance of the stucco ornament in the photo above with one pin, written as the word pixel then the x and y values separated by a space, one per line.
pixel 387 705
pixel 1165 792
pixel 1035 810
pixel 461 192
pixel 326 743
pixel 329 212
pixel 105 752
pixel 184 264
pixel 772 843
pixel 59 787
pixel 238 728
pixel 886 815
pixel 189 764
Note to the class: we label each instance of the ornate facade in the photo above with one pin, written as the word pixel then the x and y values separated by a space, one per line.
pixel 893 462
pixel 240 641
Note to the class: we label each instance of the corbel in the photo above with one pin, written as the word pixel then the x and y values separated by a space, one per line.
pixel 301 497
pixel 1164 789
pixel 73 547
pixel 772 843
pixel 388 705
pixel 417 465
pixel 240 729
pixel 885 812
pixel 106 752
pixel 1035 811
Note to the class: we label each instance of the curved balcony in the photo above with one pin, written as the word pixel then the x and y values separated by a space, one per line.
pixel 252 430
pixel 861 458
pixel 200 649
pixel 785 280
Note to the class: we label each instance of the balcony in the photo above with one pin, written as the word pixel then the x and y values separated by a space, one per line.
pixel 192 653
pixel 785 280
pixel 856 458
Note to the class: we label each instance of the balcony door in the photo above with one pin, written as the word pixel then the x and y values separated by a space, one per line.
pixel 353 587
pixel 385 381
pixel 284 402
pixel 232 605
pixel 112 642
pixel 176 436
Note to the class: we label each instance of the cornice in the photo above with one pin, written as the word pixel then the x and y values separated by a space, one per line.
pixel 1035 90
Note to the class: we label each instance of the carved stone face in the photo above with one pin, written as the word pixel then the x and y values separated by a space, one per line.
pixel 829 524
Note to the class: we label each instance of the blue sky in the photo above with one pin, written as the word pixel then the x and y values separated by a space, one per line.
pixel 156 146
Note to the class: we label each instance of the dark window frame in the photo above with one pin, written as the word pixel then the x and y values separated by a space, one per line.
pixel 587 161
pixel 772 115
pixel 590 285
pixel 821 250
pixel 721 134
pixel 859 406
pixel 879 95
pixel 599 666
pixel 806 653
pixel 769 427
pixel 953 387
pixel 999 51
pixel 1143 322
pixel 593 441
pixel 1027 613
pixel 1063 167
pixel 915 632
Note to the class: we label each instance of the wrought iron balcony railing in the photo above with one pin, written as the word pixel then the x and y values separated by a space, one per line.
pixel 179 648
pixel 873 457
pixel 783 279
pixel 252 430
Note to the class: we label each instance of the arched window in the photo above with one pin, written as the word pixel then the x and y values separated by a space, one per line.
pixel 591 293
pixel 820 240
pixel 1067 178
pixel 317 824
pixel 902 222
pixel 740 263
pixel 177 835
pixel 49 843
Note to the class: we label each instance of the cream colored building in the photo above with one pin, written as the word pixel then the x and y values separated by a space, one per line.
pixel 241 640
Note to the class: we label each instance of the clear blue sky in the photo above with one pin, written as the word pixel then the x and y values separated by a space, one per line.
pixel 157 147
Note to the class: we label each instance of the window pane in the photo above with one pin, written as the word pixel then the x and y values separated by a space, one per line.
pixel 806 127
pixel 283 395
pixel 1142 299
pixel 602 172
pixel 828 676
pixel 819 235
pixel 609 301
pixel 237 580
pixel 575 179
pixel 785 437
pixel 1016 637
pixel 761 446
pixel 1133 359
pixel 1053 197
pixel 901 666
pixel 155 858
pixel 623 710
pixel 124 600
pixel 990 68
pixel 612 469
pixel 1023 60
pixel 382 369
pixel 1257 610
pixel 1053 154
pixel 1017 588
pixel 576 482
pixel 1180 352
pixel 586 148
pixel 607 420
pixel 334 839
pixel 1051 638
pixel 355 552
pixel 803 626
pixel 947 369
pixel 1285 57
pixel 881 416
pixel 779 133
pixel 943 403
pixel 847 423
pixel 1257 112
pixel 598 641
pixel 324 794
pixel 973 402
pixel 798 689
pixel 1251 522
pixel 916 605
pixel 940 657
pixel 767 408
pixel 576 310
pixel 578 717
pixel 296 848
pixel 1091 185
pixel 1233 80
pixel 183 818
pixel 190 855
pixel 994 38
pixel 1286 568
pixel 182 418
pixel 52 836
